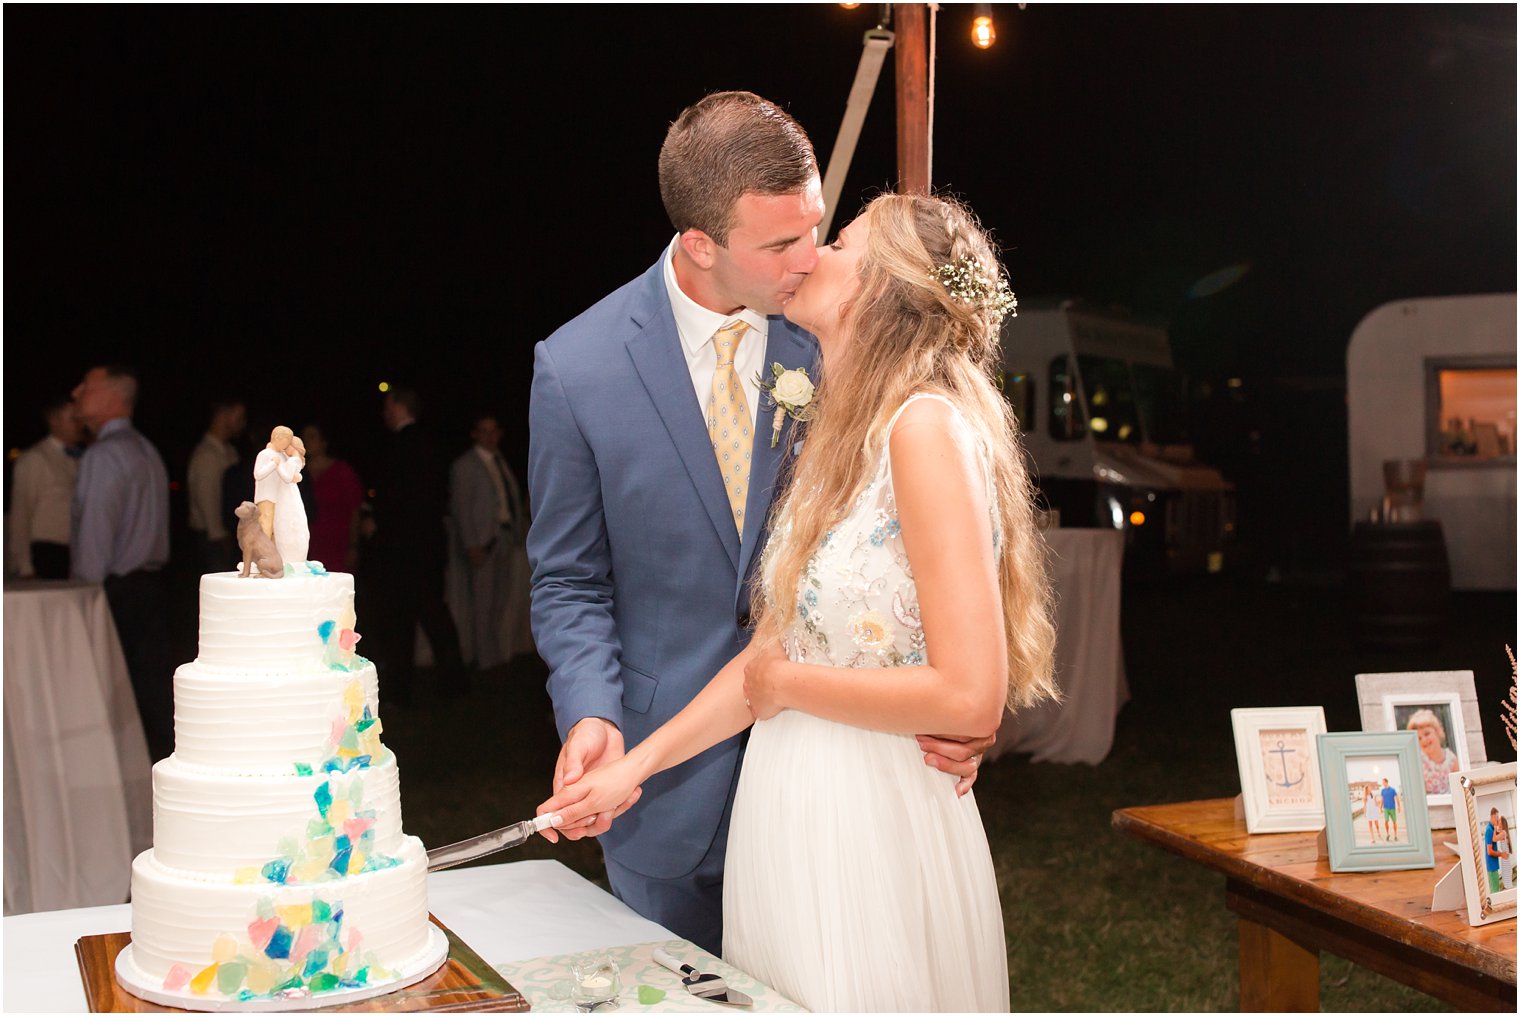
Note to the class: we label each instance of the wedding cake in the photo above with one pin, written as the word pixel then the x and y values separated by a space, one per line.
pixel 279 875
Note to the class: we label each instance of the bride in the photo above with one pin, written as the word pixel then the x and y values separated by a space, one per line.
pixel 903 589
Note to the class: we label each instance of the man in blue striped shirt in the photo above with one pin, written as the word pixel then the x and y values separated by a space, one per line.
pixel 120 538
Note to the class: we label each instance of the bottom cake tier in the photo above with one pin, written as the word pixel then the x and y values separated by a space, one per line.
pixel 197 941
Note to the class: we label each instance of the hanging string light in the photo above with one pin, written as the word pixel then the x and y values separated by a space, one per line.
pixel 983 34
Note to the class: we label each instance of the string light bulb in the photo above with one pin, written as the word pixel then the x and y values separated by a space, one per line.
pixel 983 34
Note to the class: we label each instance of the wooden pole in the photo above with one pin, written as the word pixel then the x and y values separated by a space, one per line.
pixel 914 144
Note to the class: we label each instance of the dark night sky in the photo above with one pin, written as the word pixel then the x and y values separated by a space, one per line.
pixel 297 203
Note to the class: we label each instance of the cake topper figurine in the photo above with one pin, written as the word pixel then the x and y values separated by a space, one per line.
pixel 257 545
pixel 282 516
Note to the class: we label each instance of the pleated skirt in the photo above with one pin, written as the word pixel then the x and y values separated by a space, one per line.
pixel 855 879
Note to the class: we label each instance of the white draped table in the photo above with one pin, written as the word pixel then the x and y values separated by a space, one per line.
pixel 505 912
pixel 78 787
pixel 1085 567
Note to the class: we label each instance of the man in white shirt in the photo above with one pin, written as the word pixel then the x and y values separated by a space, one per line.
pixel 42 490
pixel 214 544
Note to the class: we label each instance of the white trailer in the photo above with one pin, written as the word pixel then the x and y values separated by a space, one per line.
pixel 1434 380
pixel 1102 410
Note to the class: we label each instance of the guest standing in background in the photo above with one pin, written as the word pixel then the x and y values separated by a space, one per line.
pixel 337 493
pixel 488 526
pixel 404 558
pixel 120 538
pixel 215 548
pixel 42 490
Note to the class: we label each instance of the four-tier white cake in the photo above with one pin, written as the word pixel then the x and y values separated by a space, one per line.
pixel 280 876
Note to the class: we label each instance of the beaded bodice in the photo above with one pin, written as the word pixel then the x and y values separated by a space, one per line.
pixel 856 602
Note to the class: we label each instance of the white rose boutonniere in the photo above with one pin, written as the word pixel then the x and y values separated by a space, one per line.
pixel 791 392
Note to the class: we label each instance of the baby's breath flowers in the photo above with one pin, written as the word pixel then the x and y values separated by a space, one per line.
pixel 970 282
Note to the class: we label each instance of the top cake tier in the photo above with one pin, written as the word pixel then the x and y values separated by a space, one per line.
pixel 297 623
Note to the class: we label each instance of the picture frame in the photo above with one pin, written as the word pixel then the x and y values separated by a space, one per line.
pixel 1289 800
pixel 1390 701
pixel 1367 828
pixel 1479 793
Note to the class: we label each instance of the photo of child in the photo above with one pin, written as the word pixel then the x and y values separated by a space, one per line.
pixel 1377 801
pixel 1432 724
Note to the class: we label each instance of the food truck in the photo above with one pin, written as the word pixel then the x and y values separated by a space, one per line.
pixel 1432 381
pixel 1103 412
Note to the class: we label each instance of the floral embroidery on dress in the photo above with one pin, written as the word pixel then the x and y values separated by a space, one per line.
pixel 857 603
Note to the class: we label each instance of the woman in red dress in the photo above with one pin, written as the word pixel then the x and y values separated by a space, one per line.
pixel 338 494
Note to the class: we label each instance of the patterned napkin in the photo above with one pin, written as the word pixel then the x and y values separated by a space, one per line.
pixel 537 978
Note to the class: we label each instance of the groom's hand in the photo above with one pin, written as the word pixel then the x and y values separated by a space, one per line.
pixel 592 743
pixel 961 757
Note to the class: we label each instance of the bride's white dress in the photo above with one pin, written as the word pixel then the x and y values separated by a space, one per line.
pixel 855 879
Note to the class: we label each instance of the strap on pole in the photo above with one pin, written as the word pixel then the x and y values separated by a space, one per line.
pixel 873 52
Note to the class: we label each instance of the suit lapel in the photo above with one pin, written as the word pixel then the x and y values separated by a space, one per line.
pixel 787 345
pixel 657 356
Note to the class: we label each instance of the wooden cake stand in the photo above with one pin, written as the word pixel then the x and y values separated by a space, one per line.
pixel 465 983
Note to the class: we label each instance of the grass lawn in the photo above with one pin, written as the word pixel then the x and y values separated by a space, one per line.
pixel 1094 920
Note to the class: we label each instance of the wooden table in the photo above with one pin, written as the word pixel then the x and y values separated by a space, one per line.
pixel 1291 906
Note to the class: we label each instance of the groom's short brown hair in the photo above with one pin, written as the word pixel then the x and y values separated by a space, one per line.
pixel 723 147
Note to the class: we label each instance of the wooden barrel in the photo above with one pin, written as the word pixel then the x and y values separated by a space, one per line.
pixel 1400 584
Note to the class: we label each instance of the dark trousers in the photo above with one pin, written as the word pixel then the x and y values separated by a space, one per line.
pixel 50 560
pixel 216 555
pixel 140 607
pixel 692 905
pixel 409 592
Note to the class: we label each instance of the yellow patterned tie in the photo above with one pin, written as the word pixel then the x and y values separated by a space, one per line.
pixel 728 422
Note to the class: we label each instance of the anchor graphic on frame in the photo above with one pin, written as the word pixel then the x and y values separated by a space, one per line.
pixel 1284 752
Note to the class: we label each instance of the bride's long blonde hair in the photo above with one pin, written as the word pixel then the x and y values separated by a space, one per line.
pixel 903 333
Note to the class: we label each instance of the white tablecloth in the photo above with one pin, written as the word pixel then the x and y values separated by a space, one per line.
pixel 78 787
pixel 1084 569
pixel 505 912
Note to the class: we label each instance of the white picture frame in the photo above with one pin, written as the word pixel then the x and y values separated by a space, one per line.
pixel 1478 793
pixel 1277 752
pixel 1385 699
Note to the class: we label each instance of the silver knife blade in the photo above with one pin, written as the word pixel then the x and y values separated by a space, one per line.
pixel 489 843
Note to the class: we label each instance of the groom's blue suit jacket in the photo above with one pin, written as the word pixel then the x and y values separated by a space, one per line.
pixel 640 580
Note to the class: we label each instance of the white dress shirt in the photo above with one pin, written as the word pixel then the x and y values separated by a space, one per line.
pixel 42 491
pixel 494 466
pixel 211 458
pixel 697 325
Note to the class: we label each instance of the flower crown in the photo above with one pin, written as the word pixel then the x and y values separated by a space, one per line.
pixel 968 281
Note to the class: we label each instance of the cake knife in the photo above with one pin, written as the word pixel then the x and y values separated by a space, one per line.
pixel 475 847
pixel 708 986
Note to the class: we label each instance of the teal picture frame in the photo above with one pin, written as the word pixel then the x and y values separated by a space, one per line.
pixel 1337 753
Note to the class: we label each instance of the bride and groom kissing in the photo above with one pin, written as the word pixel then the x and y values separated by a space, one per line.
pixel 782 659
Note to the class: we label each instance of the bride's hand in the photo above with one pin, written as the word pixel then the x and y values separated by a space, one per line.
pixel 614 788
pixel 762 684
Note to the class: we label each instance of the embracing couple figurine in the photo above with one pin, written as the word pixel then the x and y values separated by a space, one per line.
pixel 783 654
pixel 272 529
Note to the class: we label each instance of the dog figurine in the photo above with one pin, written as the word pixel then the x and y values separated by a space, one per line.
pixel 256 545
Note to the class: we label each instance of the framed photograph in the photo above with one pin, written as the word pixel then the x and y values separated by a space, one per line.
pixel 1441 707
pixel 1375 811
pixel 1279 768
pixel 1485 803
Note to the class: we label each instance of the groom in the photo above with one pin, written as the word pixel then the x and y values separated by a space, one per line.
pixel 651 473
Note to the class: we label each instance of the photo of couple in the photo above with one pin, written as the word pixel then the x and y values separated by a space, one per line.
pixel 1377 803
pixel 730 611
